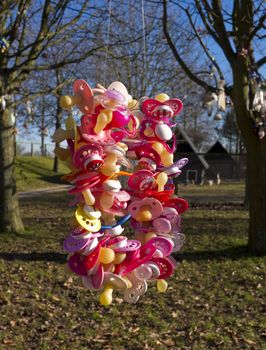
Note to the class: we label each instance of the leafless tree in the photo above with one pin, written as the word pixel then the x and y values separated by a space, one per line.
pixel 236 29
pixel 31 30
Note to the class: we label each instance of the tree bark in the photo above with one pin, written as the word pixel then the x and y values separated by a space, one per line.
pixel 58 124
pixel 10 219
pixel 257 195
pixel 256 160
pixel 56 162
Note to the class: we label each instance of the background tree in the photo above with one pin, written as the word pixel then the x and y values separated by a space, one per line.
pixel 30 28
pixel 234 30
pixel 230 132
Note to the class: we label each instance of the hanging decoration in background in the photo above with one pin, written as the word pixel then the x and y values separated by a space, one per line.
pixel 259 110
pixel 121 138
pixel 3 102
pixel 4 45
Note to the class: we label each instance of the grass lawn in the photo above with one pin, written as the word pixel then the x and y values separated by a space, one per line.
pixel 216 298
pixel 225 192
pixel 37 172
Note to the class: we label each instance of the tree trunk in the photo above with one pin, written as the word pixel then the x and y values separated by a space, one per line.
pixel 56 161
pixel 42 144
pixel 10 219
pixel 58 124
pixel 256 160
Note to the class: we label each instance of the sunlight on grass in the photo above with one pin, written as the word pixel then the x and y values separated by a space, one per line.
pixel 215 299
pixel 37 172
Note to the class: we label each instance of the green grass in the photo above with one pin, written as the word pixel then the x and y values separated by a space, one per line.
pixel 215 300
pixel 37 172
pixel 226 192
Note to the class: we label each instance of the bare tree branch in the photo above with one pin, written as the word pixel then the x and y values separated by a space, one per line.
pixel 260 62
pixel 187 70
pixel 203 45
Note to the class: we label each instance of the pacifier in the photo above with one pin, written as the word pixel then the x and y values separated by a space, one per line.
pixel 88 157
pixel 75 263
pixel 83 97
pixel 141 180
pixel 146 209
pixel 103 138
pixel 174 169
pixel 161 111
pixel 148 157
pixel 180 204
pixel 91 225
pixel 112 99
pixel 111 281
pixel 165 266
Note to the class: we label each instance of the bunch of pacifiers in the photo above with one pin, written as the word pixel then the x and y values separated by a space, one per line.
pixel 121 171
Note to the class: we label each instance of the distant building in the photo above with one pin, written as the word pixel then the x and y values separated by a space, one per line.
pixel 197 167
pixel 221 162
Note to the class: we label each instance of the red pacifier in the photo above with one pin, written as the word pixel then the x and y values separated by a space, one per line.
pixel 88 157
pixel 180 204
pixel 161 111
pixel 148 157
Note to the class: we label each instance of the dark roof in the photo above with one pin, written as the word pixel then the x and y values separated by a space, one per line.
pixel 217 153
pixel 217 148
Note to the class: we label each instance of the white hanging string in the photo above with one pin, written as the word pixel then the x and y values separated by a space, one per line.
pixel 107 40
pixel 144 43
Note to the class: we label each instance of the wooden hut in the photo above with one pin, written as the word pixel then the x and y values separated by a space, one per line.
pixel 197 167
pixel 220 161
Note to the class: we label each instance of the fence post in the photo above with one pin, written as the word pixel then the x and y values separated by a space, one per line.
pixel 31 150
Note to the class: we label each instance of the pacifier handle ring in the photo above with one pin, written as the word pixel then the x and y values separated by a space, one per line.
pixel 119 222
pixel 121 173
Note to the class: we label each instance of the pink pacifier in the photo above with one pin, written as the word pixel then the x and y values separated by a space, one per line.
pixel 98 277
pixel 163 244
pixel 104 138
pixel 76 264
pixel 155 207
pixel 81 88
pixel 146 253
pixel 122 244
pixel 162 225
pixel 142 179
pixel 161 111
pixel 86 181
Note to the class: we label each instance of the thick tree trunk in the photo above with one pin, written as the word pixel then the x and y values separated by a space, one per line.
pixel 10 219
pixel 256 163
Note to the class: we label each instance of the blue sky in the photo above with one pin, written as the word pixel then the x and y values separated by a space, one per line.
pixel 259 46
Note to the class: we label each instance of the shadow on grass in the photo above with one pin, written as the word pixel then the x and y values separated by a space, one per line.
pixel 60 198
pixel 231 253
pixel 55 179
pixel 49 256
